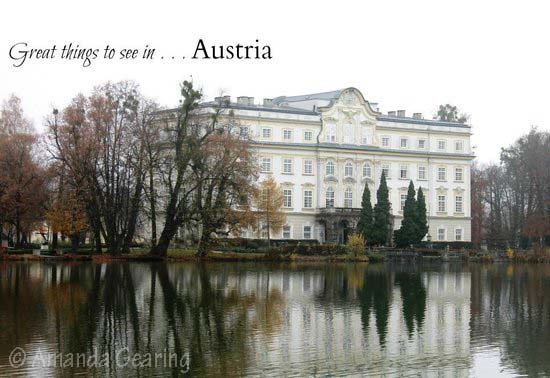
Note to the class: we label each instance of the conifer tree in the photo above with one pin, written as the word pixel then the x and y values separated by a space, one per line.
pixel 408 233
pixel 364 226
pixel 382 214
pixel 421 216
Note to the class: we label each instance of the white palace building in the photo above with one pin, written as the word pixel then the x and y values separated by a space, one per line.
pixel 323 148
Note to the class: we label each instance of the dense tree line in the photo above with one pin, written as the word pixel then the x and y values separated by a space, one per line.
pixel 114 166
pixel 511 199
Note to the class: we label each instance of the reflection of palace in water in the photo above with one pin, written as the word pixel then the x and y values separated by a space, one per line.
pixel 334 319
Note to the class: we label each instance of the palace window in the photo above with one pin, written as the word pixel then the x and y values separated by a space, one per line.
pixel 329 197
pixel 264 231
pixel 287 134
pixel 422 172
pixel 422 143
pixel 403 172
pixel 308 199
pixel 404 142
pixel 307 232
pixel 459 204
pixel 459 174
pixel 244 132
pixel 348 169
pixel 364 135
pixel 441 145
pixel 308 135
pixel 308 167
pixel 458 234
pixel 442 174
pixel 286 232
pixel 330 168
pixel 348 197
pixel 266 133
pixel 287 166
pixel 385 141
pixel 441 234
pixel 266 165
pixel 403 199
pixel 287 198
pixel 367 170
pixel 331 133
pixel 348 133
pixel 459 145
pixel 386 170
pixel 441 204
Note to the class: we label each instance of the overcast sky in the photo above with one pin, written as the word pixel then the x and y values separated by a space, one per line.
pixel 491 59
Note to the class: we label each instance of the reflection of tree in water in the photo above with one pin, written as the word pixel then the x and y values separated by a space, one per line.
pixel 512 309
pixel 375 295
pixel 413 296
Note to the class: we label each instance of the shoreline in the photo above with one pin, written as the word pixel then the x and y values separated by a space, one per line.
pixel 215 256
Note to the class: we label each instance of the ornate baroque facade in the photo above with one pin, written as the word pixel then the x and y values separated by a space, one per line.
pixel 323 148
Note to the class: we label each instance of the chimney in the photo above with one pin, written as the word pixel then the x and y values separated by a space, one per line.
pixel 268 102
pixel 417 115
pixel 242 100
pixel 401 113
pixel 391 113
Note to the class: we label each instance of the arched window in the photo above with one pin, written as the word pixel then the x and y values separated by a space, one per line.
pixel 348 169
pixel 330 197
pixel 348 197
pixel 330 168
pixel 367 170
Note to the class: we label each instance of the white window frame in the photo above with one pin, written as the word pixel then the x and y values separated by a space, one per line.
pixel 348 133
pixel 459 146
pixel 459 203
pixel 441 203
pixel 267 132
pixel 402 200
pixel 442 145
pixel 385 141
pixel 307 234
pixel 306 133
pixel 441 236
pixel 459 170
pixel 364 135
pixel 287 198
pixel 367 169
pixel 331 133
pixel 404 168
pixel 287 134
pixel 308 199
pixel 404 142
pixel 332 171
pixel 266 165
pixel 329 199
pixel 348 169
pixel 459 234
pixel 244 132
pixel 288 166
pixel 423 142
pixel 348 197
pixel 287 228
pixel 424 170
pixel 386 167
pixel 441 172
pixel 308 167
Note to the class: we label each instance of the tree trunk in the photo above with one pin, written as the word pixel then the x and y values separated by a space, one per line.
pixel 153 208
pixel 55 239
pixel 75 238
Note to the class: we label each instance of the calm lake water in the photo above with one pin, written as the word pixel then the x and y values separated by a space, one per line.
pixel 215 320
